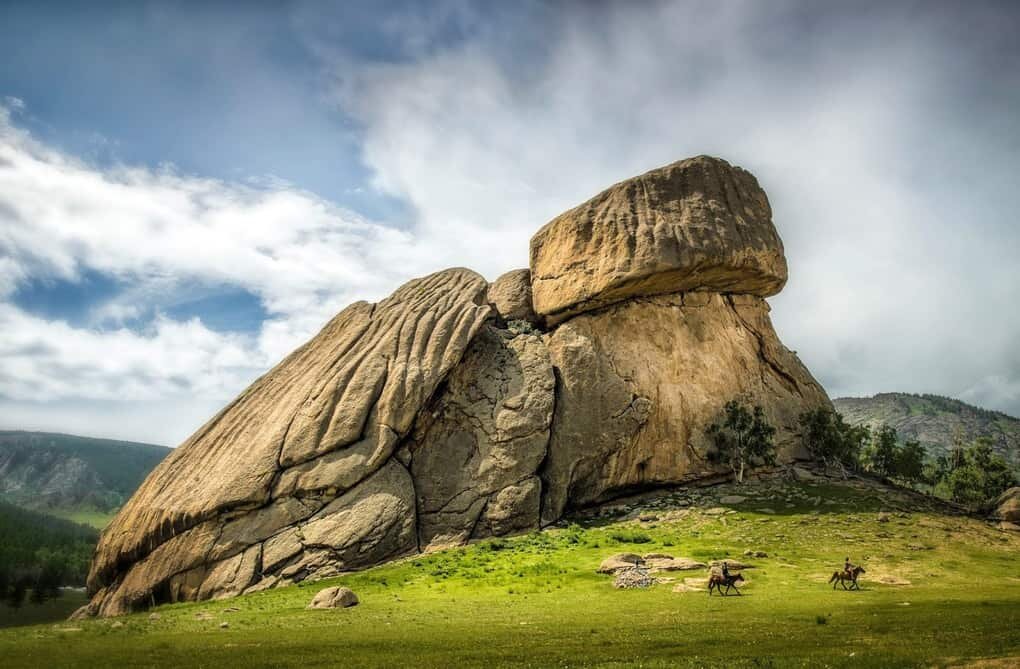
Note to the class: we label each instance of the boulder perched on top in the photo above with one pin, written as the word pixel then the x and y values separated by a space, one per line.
pixel 435 417
pixel 698 224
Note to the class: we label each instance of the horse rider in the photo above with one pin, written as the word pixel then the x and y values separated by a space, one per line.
pixel 725 570
pixel 848 568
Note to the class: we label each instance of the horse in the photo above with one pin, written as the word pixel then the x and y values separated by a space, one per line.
pixel 717 581
pixel 841 577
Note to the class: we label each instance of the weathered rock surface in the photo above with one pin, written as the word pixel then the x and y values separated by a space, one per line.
pixel 337 597
pixel 439 415
pixel 320 422
pixel 615 563
pixel 475 451
pixel 1007 506
pixel 698 224
pixel 663 366
pixel 511 295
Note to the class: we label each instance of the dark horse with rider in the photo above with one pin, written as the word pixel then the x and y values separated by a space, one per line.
pixel 724 581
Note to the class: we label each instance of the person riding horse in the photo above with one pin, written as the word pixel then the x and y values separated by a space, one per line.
pixel 725 570
pixel 848 568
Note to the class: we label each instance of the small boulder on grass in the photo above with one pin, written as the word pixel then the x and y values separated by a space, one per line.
pixel 337 597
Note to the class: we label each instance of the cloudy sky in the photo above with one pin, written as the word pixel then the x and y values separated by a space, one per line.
pixel 188 191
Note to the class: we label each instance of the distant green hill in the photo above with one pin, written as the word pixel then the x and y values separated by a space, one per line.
pixel 65 473
pixel 935 421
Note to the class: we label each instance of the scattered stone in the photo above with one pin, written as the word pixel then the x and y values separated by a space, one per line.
pixel 116 624
pixel 155 616
pixel 757 554
pixel 203 615
pixel 648 518
pixel 715 511
pixel 766 510
pixel 615 563
pixel 224 625
pixel 883 517
pixel 657 556
pixel 635 577
pixel 337 597
pixel 732 499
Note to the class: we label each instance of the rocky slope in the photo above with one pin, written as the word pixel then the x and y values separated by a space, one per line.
pixel 40 470
pixel 446 413
pixel 935 421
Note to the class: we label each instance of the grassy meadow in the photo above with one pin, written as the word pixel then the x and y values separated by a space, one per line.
pixel 940 590
pixel 96 519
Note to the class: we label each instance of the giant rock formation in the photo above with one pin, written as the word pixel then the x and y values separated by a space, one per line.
pixel 455 409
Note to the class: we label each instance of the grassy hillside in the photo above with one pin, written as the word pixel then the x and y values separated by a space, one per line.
pixel 939 589
pixel 65 473
pixel 935 421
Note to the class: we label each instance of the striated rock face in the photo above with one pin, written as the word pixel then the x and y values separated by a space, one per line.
pixel 421 422
pixel 699 224
pixel 663 367
pixel 327 417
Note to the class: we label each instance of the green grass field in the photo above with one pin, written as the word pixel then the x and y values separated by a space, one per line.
pixel 939 590
pixel 96 519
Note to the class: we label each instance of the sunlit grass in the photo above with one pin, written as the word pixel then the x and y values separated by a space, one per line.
pixel 535 600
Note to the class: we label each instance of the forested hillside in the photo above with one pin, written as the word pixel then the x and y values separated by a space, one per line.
pixel 45 471
pixel 935 421
pixel 34 545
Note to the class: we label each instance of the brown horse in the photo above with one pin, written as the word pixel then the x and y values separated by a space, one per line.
pixel 717 581
pixel 841 577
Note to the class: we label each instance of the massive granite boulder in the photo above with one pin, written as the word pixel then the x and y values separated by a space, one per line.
pixel 326 418
pixel 442 414
pixel 698 224
pixel 641 381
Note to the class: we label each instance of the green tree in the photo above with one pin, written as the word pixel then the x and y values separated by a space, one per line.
pixel 982 475
pixel 742 438
pixel 909 465
pixel 829 438
pixel 884 451
pixel 966 485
